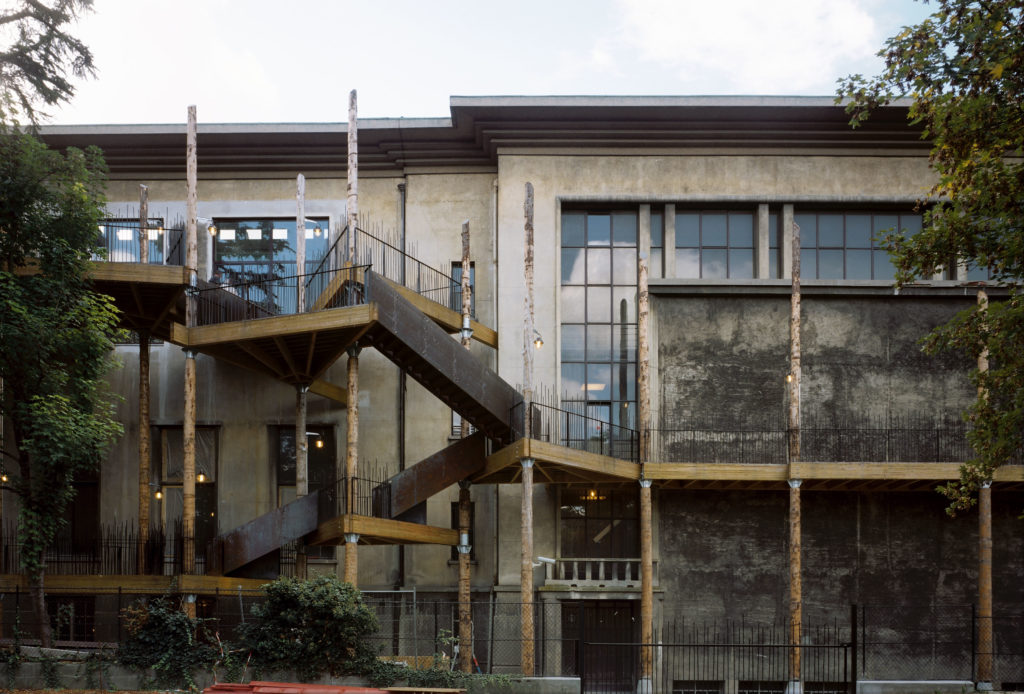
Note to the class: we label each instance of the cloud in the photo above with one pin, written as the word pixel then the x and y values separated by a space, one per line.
pixel 751 46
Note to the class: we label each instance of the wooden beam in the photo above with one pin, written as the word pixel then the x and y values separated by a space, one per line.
pixel 323 321
pixel 875 471
pixel 329 391
pixel 353 339
pixel 369 529
pixel 286 354
pixel 149 585
pixel 310 352
pixel 583 460
pixel 173 275
pixel 257 353
pixel 502 459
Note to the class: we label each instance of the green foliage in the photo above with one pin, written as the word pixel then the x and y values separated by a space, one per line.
pixel 963 69
pixel 313 627
pixel 39 54
pixel 162 637
pixel 56 335
pixel 97 669
pixel 48 668
pixel 11 655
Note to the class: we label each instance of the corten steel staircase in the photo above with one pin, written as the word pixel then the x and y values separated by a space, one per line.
pixel 428 353
pixel 346 302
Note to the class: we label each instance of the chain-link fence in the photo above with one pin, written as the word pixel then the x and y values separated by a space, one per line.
pixel 596 639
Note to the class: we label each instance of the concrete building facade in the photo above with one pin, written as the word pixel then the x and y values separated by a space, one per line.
pixel 709 191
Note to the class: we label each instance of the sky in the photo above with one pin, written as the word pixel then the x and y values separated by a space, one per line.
pixel 245 61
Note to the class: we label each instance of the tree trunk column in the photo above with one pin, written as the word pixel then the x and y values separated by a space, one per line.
pixel 144 444
pixel 144 449
pixel 526 569
pixel 795 589
pixel 985 641
pixel 465 598
pixel 188 515
pixel 301 468
pixel 643 424
pixel 646 683
pixel 352 463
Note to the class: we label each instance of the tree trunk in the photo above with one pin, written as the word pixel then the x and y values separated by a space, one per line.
pixel 38 597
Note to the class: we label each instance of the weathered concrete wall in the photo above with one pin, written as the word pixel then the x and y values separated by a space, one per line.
pixel 725 358
pixel 246 406
pixel 631 179
pixel 729 554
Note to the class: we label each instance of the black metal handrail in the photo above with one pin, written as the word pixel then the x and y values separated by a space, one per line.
pixel 122 241
pixel 361 496
pixel 576 430
pixel 396 265
pixel 263 297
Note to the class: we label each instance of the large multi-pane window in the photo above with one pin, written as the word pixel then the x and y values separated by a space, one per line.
pixel 714 244
pixel 599 523
pixel 255 249
pixel 598 310
pixel 656 267
pixel 845 245
pixel 170 470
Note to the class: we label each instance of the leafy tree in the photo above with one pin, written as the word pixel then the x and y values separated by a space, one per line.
pixel 37 53
pixel 56 337
pixel 963 69
pixel 313 627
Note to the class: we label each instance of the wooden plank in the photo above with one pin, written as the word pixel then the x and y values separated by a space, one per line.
pixel 151 585
pixel 390 531
pixel 101 271
pixel 445 317
pixel 763 472
pixel 876 471
pixel 306 323
pixel 582 460
pixel 505 458
pixel 329 391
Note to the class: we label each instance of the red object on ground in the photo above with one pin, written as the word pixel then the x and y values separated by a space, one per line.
pixel 288 688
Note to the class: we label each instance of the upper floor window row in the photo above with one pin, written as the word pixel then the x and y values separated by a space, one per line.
pixel 731 244
pixel 846 245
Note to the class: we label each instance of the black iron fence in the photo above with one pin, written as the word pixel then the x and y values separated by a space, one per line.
pixel 263 295
pixel 113 549
pixel 364 496
pixel 397 265
pixel 573 429
pixel 886 440
pixel 121 240
pixel 878 642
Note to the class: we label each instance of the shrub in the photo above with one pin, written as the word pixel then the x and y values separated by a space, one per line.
pixel 162 637
pixel 313 627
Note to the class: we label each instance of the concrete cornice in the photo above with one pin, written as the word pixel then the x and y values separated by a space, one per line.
pixel 480 126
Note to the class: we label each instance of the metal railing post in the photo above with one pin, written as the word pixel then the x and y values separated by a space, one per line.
pixel 853 649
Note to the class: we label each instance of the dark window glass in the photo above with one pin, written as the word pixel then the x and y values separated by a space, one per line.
pixel 598 319
pixel 599 523
pixel 715 245
pixel 846 245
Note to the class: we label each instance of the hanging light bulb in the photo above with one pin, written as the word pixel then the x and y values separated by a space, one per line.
pixel 3 477
pixel 159 494
pixel 212 228
pixel 319 443
pixel 318 232
pixel 200 478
